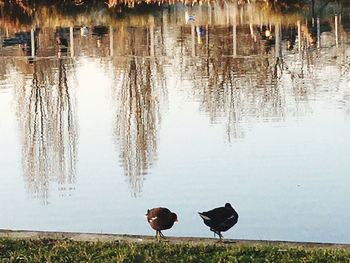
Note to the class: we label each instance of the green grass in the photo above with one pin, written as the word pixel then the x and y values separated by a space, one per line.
pixel 48 250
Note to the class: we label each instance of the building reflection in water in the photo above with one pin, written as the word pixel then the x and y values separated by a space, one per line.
pixel 48 128
pixel 139 94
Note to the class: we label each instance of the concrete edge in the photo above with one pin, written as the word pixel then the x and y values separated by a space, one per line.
pixel 93 237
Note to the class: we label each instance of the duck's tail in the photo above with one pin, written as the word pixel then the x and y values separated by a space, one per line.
pixel 204 217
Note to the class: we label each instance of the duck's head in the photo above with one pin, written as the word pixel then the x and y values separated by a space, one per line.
pixel 228 205
pixel 173 217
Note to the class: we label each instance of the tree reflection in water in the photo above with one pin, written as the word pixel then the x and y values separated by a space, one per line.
pixel 237 88
pixel 138 95
pixel 230 53
pixel 47 119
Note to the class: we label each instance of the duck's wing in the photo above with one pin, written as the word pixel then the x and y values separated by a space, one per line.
pixel 160 213
pixel 221 217
pixel 163 212
pixel 218 214
pixel 228 221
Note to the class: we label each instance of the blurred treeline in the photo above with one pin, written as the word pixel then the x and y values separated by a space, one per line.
pixel 16 8
pixel 29 6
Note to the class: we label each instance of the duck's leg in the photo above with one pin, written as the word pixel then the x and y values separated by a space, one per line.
pixel 157 235
pixel 161 234
pixel 219 234
pixel 211 229
pixel 220 237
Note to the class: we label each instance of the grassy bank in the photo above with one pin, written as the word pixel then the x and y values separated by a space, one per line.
pixel 52 250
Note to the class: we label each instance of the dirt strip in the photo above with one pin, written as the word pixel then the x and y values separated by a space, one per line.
pixel 24 234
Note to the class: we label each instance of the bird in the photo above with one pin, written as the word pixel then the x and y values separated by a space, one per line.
pixel 161 218
pixel 220 219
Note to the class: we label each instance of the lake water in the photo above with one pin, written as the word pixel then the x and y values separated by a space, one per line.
pixel 104 115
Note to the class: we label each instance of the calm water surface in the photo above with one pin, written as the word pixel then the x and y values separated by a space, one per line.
pixel 183 107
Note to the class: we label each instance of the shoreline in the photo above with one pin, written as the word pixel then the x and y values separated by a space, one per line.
pixel 95 237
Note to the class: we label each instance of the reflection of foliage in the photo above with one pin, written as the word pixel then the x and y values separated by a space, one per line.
pixel 235 90
pixel 30 6
pixel 14 14
pixel 138 96
pixel 229 92
pixel 226 87
pixel 28 12
pixel 257 84
pixel 49 137
pixel 72 13
pixel 287 6
pixel 310 78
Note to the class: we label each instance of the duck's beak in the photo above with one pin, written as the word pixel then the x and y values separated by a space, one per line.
pixel 176 220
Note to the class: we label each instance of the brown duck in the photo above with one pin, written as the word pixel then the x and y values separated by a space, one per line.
pixel 220 219
pixel 160 219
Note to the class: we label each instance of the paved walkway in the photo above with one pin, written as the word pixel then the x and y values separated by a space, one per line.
pixel 22 234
